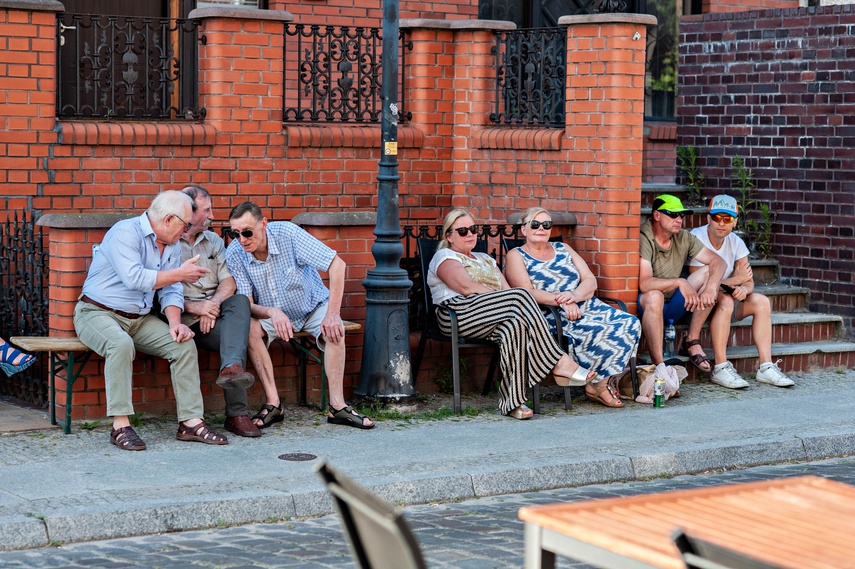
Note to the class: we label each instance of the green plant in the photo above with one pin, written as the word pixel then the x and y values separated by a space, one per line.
pixel 87 425
pixel 763 237
pixel 693 178
pixel 444 376
pixel 136 419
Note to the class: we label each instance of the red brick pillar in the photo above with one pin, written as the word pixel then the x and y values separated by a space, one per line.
pixel 240 87
pixel 604 131
pixel 450 90
pixel 28 104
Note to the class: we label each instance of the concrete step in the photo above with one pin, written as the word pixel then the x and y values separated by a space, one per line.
pixel 787 327
pixel 766 271
pixel 801 356
pixel 786 298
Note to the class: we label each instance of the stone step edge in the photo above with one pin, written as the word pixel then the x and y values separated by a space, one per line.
pixel 778 350
pixel 781 319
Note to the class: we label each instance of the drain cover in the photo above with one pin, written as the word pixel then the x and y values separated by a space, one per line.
pixel 297 456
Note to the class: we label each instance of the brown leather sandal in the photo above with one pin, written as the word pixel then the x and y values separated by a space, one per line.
pixel 201 433
pixel 696 359
pixel 126 439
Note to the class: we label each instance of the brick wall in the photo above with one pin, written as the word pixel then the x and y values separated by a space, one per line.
pixel 660 152
pixel 449 155
pixel 725 6
pixel 777 88
pixel 350 13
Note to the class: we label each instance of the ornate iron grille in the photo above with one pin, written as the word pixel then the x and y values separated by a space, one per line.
pixel 531 75
pixel 127 68
pixel 334 74
pixel 24 303
pixel 411 263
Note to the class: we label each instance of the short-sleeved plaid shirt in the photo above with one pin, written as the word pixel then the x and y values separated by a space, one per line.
pixel 289 278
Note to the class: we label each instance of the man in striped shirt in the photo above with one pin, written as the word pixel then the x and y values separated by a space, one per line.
pixel 276 265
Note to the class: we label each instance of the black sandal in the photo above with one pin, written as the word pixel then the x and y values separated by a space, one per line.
pixel 272 415
pixel 696 359
pixel 347 416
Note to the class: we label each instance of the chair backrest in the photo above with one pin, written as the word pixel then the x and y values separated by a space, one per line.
pixel 700 554
pixel 378 535
pixel 427 249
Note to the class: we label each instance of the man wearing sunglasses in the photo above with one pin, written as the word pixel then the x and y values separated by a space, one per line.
pixel 138 258
pixel 276 265
pixel 665 293
pixel 736 299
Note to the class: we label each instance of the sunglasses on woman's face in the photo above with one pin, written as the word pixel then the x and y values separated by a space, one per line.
pixel 464 231
pixel 534 224
pixel 722 218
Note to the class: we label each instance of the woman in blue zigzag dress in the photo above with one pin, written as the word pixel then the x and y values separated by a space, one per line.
pixel 600 338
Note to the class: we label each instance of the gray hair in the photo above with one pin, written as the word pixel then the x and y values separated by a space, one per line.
pixel 171 202
pixel 196 192
pixel 531 213
pixel 452 216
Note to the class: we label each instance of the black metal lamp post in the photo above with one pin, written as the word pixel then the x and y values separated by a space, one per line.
pixel 385 373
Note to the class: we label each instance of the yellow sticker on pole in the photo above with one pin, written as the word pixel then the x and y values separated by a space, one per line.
pixel 390 148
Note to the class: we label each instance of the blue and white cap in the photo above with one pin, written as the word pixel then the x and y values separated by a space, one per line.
pixel 724 204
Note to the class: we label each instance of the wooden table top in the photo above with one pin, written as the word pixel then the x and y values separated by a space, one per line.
pixel 49 343
pixel 799 522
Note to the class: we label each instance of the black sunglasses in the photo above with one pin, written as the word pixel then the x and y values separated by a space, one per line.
pixel 673 214
pixel 463 231
pixel 534 224
pixel 246 233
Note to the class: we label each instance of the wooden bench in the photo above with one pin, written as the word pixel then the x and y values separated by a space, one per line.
pixel 68 356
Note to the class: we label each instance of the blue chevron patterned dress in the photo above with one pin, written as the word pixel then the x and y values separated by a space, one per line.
pixel 604 338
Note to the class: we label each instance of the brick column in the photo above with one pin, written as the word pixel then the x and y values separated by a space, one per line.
pixel 604 131
pixel 240 87
pixel 450 86
pixel 27 98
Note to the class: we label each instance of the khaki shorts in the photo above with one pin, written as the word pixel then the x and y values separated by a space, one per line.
pixel 312 327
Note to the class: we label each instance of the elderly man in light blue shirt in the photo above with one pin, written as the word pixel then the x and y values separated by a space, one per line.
pixel 138 257
pixel 276 265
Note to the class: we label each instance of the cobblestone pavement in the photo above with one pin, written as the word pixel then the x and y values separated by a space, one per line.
pixel 474 534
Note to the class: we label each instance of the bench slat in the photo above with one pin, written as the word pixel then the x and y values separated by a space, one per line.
pixel 49 344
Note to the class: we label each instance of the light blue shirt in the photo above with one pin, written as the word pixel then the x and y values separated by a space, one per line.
pixel 288 279
pixel 124 271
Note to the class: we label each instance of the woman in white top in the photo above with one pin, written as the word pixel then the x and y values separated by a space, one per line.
pixel 472 285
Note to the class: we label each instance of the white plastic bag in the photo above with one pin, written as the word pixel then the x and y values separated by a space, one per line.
pixel 673 376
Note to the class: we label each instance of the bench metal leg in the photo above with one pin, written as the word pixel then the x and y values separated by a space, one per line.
pixel 306 349
pixel 65 366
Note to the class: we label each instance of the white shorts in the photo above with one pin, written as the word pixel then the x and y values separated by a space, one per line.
pixel 312 326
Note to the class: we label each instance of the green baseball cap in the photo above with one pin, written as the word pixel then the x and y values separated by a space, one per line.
pixel 667 202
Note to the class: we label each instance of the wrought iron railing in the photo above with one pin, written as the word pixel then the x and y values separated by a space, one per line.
pixel 127 68
pixel 333 74
pixel 24 302
pixel 412 264
pixel 531 71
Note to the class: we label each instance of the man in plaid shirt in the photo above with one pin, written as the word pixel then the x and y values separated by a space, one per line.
pixel 276 265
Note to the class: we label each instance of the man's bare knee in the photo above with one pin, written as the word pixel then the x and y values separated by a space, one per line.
pixel 652 300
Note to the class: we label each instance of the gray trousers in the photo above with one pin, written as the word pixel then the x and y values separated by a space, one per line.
pixel 229 337
pixel 117 339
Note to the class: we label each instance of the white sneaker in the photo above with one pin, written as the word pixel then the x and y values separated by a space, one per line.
pixel 726 376
pixel 770 373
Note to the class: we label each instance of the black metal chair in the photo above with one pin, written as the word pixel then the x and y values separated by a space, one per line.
pixel 378 535
pixel 508 244
pixel 431 331
pixel 701 554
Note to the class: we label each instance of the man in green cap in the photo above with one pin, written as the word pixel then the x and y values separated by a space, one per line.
pixel 665 294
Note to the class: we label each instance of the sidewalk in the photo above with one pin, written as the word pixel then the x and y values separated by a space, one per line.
pixel 57 488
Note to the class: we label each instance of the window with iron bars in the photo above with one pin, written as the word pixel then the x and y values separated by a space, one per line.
pixel 127 68
pixel 333 74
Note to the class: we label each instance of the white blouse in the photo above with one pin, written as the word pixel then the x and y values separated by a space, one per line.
pixel 482 269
